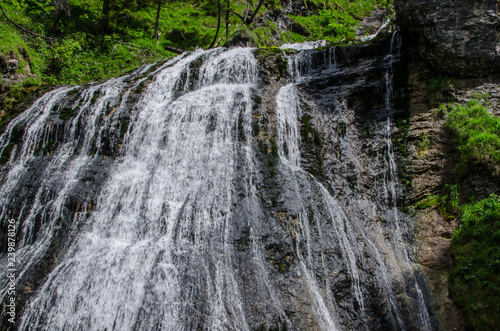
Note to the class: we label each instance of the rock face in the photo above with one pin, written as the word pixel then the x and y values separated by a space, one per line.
pixel 460 38
pixel 282 214
pixel 426 170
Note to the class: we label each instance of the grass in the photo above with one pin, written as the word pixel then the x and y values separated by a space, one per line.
pixel 447 202
pixel 423 144
pixel 338 19
pixel 473 283
pixel 83 52
pixel 477 134
pixel 439 89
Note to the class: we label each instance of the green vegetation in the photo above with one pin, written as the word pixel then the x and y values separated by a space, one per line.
pixel 337 20
pixel 477 134
pixel 474 281
pixel 424 143
pixel 79 41
pixel 87 45
pixel 447 203
pixel 5 156
pixel 439 89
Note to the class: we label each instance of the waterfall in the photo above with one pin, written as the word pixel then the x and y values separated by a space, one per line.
pixel 189 195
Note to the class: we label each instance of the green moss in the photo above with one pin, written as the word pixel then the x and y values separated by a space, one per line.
pixel 428 202
pixel 439 89
pixel 273 58
pixel 50 146
pixel 124 127
pixel 282 65
pixel 407 182
pixel 337 20
pixel 306 126
pixel 67 113
pixel 257 102
pixel 274 148
pixel 95 96
pixel 399 138
pixel 307 130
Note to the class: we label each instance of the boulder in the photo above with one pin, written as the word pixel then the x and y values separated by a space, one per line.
pixel 455 37
pixel 241 38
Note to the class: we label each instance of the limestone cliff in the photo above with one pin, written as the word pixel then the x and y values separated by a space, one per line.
pixel 452 49
pixel 460 38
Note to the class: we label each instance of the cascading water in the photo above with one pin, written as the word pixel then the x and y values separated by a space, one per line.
pixel 183 197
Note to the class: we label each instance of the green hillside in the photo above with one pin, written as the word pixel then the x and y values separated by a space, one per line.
pixel 89 43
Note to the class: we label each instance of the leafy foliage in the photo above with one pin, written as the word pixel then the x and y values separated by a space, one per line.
pixel 447 203
pixel 474 281
pixel 338 19
pixel 424 143
pixel 85 51
pixel 477 133
pixel 86 44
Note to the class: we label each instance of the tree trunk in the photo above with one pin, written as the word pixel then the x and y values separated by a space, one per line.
pixel 246 13
pixel 227 18
pixel 218 25
pixel 105 14
pixel 250 20
pixel 156 35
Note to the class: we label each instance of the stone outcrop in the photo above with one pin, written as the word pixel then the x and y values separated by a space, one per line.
pixel 427 168
pixel 461 38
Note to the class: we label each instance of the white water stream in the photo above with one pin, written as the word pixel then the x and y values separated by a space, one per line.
pixel 155 250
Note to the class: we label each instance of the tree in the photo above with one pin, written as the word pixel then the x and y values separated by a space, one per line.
pixel 249 20
pixel 218 25
pixel 157 35
pixel 23 29
pixel 105 16
pixel 61 8
pixel 227 18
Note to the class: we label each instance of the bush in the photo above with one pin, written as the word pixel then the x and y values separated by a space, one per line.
pixel 474 281
pixel 477 134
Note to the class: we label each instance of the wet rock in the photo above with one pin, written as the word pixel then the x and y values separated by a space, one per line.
pixel 460 38
pixel 426 168
pixel 371 23
pixel 434 238
pixel 295 247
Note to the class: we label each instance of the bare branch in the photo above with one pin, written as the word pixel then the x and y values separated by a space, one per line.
pixel 250 20
pixel 23 29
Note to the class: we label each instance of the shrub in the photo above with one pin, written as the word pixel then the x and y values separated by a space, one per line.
pixel 424 143
pixel 477 133
pixel 474 281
